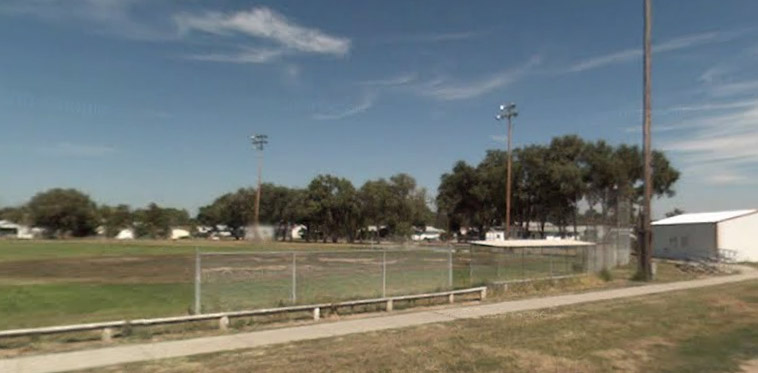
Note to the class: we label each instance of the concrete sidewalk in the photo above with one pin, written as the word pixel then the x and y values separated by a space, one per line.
pixel 67 361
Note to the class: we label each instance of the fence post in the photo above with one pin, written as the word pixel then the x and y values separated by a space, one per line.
pixel 470 266
pixel 497 264
pixel 550 255
pixel 294 277
pixel 106 335
pixel 450 268
pixel 198 279
pixel 316 314
pixel 384 273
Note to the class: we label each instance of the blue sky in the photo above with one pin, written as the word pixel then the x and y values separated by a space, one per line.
pixel 153 100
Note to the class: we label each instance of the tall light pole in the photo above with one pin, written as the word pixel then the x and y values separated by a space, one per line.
pixel 646 247
pixel 258 142
pixel 508 111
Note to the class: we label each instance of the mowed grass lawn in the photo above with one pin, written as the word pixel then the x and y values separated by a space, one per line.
pixel 45 283
pixel 62 282
pixel 712 329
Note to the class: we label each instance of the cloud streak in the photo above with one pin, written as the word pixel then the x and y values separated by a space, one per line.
pixel 718 148
pixel 439 37
pixel 732 89
pixel 115 17
pixel 66 149
pixel 444 90
pixel 246 55
pixel 367 102
pixel 265 25
pixel 627 55
pixel 393 81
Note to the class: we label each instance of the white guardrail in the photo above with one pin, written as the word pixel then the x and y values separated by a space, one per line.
pixel 223 317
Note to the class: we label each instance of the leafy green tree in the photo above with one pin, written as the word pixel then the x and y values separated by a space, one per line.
pixel 374 196
pixel 549 182
pixel 18 215
pixel 674 212
pixel 64 212
pixel 397 203
pixel 114 219
pixel 334 207
pixel 156 222
pixel 235 210
pixel 461 197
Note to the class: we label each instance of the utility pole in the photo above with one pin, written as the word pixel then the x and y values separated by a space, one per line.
pixel 508 111
pixel 258 142
pixel 646 247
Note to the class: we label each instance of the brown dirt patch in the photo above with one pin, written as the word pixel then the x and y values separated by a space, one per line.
pixel 131 269
pixel 633 356
pixel 750 366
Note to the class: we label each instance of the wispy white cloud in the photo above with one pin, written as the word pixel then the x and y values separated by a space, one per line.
pixel 392 81
pixel 713 74
pixel 245 55
pixel 442 89
pixel 438 37
pixel 265 25
pixel 736 88
pixel 66 149
pixel 499 138
pixel 719 147
pixel 364 104
pixel 115 17
pixel 269 35
pixel 631 54
pixel 710 106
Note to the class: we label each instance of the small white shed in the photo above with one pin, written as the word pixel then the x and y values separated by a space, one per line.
pixel 730 234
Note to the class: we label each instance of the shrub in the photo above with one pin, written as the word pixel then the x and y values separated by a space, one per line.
pixel 605 275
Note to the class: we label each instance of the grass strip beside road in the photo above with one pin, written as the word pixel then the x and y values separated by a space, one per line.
pixel 713 329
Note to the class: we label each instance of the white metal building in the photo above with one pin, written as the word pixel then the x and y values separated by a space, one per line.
pixel 730 234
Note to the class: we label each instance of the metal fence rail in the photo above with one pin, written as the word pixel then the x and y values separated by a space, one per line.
pixel 238 280
pixel 223 318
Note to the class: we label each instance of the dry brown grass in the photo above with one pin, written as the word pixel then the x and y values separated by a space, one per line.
pixel 712 329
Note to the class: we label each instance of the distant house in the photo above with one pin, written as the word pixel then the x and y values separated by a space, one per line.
pixel 180 233
pixel 429 233
pixel 125 234
pixel 495 235
pixel 19 231
pixel 709 235
pixel 297 232
pixel 265 232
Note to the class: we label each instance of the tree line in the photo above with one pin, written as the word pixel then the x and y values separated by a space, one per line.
pixel 551 183
pixel 72 213
pixel 330 208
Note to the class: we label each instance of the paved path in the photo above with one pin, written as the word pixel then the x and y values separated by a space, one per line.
pixel 66 361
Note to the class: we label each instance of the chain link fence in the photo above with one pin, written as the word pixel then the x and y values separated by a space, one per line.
pixel 499 264
pixel 234 281
pixel 246 280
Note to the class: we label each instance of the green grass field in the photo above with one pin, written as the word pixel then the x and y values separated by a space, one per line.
pixel 712 329
pixel 63 282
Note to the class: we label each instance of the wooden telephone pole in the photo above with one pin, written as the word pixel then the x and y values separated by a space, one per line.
pixel 258 142
pixel 508 112
pixel 646 245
